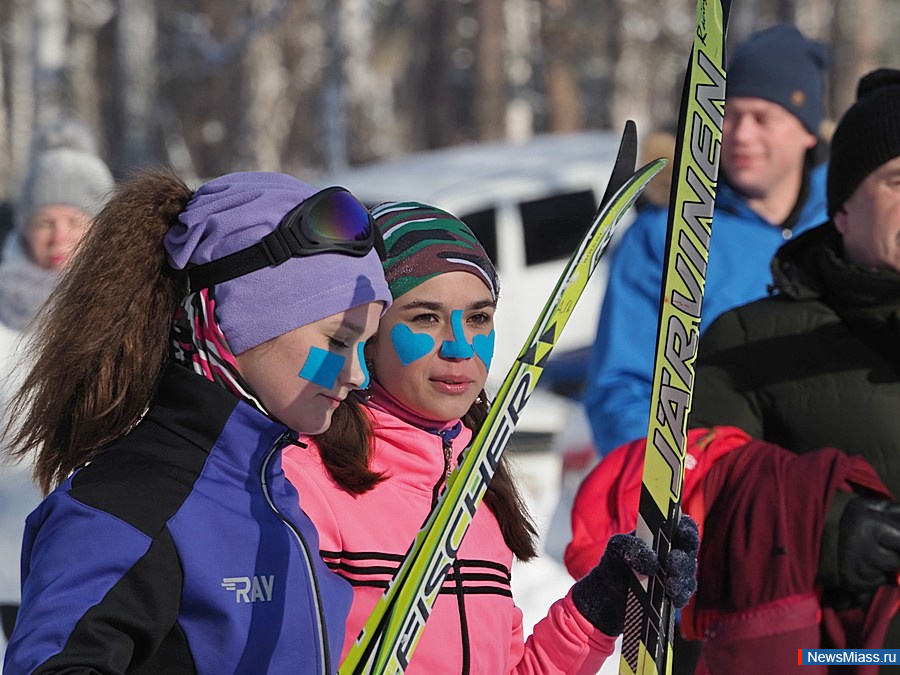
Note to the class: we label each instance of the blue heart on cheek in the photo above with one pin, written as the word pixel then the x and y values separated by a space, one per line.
pixel 484 348
pixel 410 346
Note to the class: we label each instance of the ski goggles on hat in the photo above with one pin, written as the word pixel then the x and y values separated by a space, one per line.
pixel 331 221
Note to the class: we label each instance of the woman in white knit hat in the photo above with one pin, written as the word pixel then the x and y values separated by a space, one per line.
pixel 64 188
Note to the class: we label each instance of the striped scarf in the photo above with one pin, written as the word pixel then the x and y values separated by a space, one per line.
pixel 200 345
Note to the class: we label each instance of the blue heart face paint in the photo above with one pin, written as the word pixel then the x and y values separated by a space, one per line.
pixel 362 364
pixel 425 350
pixel 410 346
pixel 484 348
pixel 322 367
pixel 458 347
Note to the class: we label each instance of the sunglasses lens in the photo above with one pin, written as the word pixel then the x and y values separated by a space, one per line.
pixel 339 217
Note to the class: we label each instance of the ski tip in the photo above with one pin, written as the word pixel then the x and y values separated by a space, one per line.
pixel 628 145
pixel 626 158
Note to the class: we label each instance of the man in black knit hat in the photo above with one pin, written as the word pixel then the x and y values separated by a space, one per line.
pixel 817 363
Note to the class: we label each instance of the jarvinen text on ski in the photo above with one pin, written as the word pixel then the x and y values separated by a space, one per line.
pixel 682 333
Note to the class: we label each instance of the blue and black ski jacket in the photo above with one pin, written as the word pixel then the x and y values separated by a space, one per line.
pixel 180 548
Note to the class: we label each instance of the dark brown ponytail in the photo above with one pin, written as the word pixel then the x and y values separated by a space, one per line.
pixel 103 338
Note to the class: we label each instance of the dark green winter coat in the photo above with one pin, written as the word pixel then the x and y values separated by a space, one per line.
pixel 816 364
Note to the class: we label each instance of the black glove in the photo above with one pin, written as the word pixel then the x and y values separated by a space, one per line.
pixel 868 544
pixel 600 595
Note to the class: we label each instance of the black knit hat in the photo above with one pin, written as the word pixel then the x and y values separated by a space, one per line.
pixel 780 65
pixel 867 136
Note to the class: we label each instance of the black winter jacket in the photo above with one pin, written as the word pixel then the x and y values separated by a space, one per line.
pixel 816 364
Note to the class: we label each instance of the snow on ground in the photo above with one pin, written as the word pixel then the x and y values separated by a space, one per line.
pixel 18 496
pixel 538 584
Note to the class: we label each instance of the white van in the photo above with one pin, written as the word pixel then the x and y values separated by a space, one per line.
pixel 529 203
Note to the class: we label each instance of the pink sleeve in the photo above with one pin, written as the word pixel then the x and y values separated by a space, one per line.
pixel 562 642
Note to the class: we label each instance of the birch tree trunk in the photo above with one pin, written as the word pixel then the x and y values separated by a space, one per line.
pixel 267 124
pixel 6 172
pixel 856 36
pixel 136 80
pixel 368 91
pixel 21 94
pixel 490 71
pixel 49 54
pixel 743 19
pixel 560 49
pixel 434 76
pixel 814 18
pixel 87 17
pixel 523 22
pixel 334 120
pixel 652 57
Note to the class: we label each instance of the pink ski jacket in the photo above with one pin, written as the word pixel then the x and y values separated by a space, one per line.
pixel 475 627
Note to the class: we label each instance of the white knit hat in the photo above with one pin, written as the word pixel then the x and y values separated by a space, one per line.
pixel 63 175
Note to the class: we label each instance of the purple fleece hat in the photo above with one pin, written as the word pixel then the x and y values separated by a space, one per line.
pixel 237 210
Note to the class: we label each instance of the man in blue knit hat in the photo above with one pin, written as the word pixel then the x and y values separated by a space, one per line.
pixel 769 190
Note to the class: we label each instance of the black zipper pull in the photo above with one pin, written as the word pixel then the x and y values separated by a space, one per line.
pixel 448 453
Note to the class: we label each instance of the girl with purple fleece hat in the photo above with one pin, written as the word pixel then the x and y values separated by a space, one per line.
pixel 194 335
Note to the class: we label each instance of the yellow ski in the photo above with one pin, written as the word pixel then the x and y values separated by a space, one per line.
pixel 649 617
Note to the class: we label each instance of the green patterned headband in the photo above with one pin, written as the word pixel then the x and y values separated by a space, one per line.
pixel 423 241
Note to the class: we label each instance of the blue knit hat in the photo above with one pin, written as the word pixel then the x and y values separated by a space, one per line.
pixel 779 64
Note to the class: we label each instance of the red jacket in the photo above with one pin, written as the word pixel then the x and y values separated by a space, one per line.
pixel 607 500
pixel 763 510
